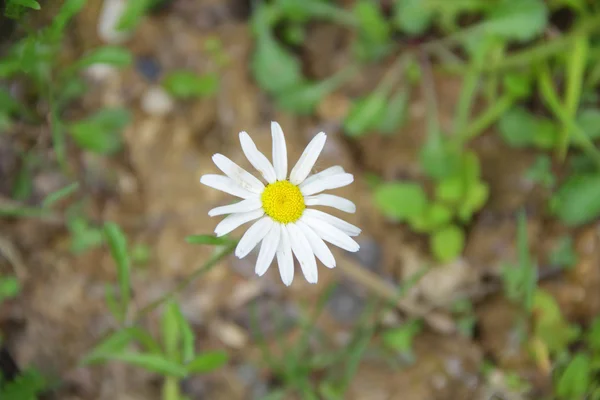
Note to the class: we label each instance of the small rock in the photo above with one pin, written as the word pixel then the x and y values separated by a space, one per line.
pixel 157 102
pixel 148 67
pixel 112 11
pixel 100 72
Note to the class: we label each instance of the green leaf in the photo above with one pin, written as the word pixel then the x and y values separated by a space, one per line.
pixel 476 196
pixel 521 129
pixel 170 330
pixel 394 116
pixel 521 21
pixel 304 98
pixel 372 24
pixel 589 121
pixel 593 335
pixel 23 184
pixel 109 55
pixel 273 67
pixel 9 105
pixel 400 201
pixel 365 114
pixel 69 9
pixel 401 338
pixel 519 85
pixel 447 243
pixel 577 201
pixel 186 84
pixel 436 216
pixel 413 16
pixel 574 381
pixel 450 190
pixel 112 303
pixel 117 243
pixel 115 343
pixel 563 255
pixel 152 362
pixel 9 288
pixel 27 3
pixel 83 235
pixel 439 158
pixel 133 14
pixel 207 362
pixel 60 194
pixel 550 325
pixel 187 337
pixel 208 239
pixel 101 133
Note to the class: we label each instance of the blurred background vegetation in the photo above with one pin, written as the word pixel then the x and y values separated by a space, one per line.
pixel 471 127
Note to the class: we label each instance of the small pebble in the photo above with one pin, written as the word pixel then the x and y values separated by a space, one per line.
pixel 345 304
pixel 156 101
pixel 112 11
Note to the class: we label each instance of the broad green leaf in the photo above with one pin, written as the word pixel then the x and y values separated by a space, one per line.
pixel 401 338
pixel 521 129
pixel 186 84
pixel 274 68
pixel 60 194
pixel 365 115
pixel 372 24
pixel 436 216
pixel 413 16
pixel 117 243
pixel 574 381
pixel 447 243
pixel 207 362
pixel 115 343
pixel 101 133
pixel 400 201
pixel 27 3
pixel 170 330
pixel 450 190
pixel 394 116
pixel 208 239
pixel 577 201
pixel 518 85
pixel 476 196
pixel 589 121
pixel 520 21
pixel 111 55
pixel 9 288
pixel 550 325
pixel 439 158
pixel 152 362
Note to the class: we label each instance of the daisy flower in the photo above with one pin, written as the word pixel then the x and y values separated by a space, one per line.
pixel 285 226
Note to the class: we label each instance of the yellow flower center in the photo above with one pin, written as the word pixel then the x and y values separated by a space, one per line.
pixel 283 201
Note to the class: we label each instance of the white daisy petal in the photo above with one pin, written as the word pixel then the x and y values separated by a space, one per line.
pixel 285 260
pixel 253 236
pixel 327 183
pixel 226 184
pixel 256 158
pixel 331 234
pixel 233 221
pixel 308 158
pixel 250 204
pixel 317 244
pixel 279 151
pixel 331 200
pixel 342 225
pixel 303 252
pixel 335 170
pixel 267 250
pixel 238 174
